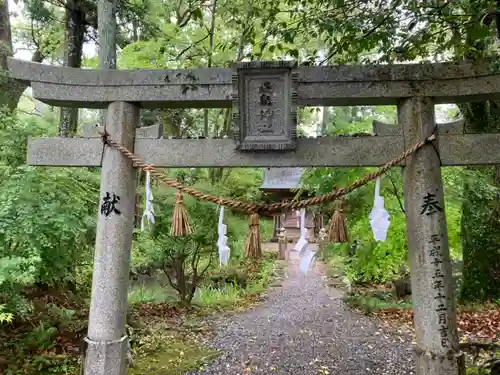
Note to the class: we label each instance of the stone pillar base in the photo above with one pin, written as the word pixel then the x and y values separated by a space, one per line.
pixel 106 357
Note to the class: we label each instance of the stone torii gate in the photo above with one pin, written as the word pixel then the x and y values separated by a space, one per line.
pixel 264 97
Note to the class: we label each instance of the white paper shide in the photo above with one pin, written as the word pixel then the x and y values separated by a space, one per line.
pixel 306 255
pixel 222 243
pixel 149 212
pixel 379 217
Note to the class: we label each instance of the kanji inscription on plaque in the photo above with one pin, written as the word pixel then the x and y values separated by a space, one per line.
pixel 265 105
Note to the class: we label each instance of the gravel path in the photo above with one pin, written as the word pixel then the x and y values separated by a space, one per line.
pixel 303 328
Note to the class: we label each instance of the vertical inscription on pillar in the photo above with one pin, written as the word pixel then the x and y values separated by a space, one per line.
pixel 438 286
pixel 264 105
pixel 431 206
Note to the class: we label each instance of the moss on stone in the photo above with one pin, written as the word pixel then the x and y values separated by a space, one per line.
pixel 165 351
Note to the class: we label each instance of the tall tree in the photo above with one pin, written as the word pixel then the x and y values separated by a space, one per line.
pixel 106 18
pixel 480 221
pixel 5 51
pixel 10 90
pixel 73 51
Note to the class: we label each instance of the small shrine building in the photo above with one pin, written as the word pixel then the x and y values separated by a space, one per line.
pixel 281 184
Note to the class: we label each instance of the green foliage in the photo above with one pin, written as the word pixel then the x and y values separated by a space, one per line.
pixel 378 261
pixel 55 364
pixel 219 298
pixel 41 336
pixel 184 260
pixel 50 226
pixel 14 133
pixel 65 317
pixel 375 302
pixel 477 371
pixel 152 293
pixel 163 350
pixel 481 274
pixel 230 295
pixel 47 217
pixel 241 183
pixel 391 31
pixel 5 317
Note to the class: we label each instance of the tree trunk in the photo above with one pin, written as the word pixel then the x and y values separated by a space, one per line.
pixel 325 119
pixel 180 279
pixel 10 90
pixel 217 173
pixel 480 221
pixel 135 30
pixel 106 19
pixel 75 31
pixel 210 54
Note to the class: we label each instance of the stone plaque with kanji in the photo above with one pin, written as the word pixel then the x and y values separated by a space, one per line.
pixel 265 105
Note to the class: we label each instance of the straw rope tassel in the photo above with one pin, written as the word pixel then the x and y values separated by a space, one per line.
pixel 252 248
pixel 338 227
pixel 180 222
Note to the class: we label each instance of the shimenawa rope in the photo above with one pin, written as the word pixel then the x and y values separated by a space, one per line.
pixel 264 209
